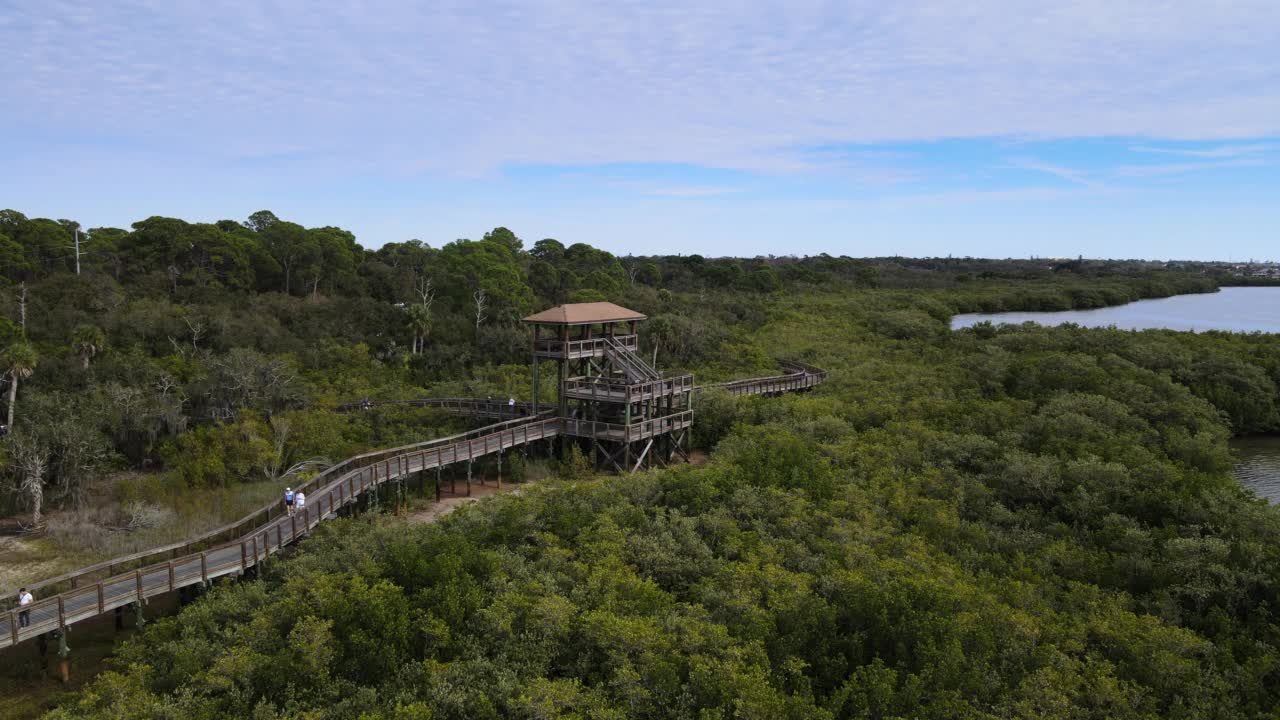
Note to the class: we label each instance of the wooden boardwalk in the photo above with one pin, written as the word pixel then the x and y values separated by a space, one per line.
pixel 474 407
pixel 234 549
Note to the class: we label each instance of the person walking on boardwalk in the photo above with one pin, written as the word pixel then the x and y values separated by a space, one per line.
pixel 24 599
pixel 299 501
pixel 289 499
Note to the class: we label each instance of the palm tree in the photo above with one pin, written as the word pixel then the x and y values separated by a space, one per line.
pixel 420 324
pixel 87 340
pixel 19 361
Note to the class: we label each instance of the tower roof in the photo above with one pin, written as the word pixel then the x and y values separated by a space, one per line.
pixel 584 314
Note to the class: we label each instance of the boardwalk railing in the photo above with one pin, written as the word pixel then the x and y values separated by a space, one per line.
pixel 799 376
pixel 475 407
pixel 245 543
pixel 361 474
pixel 238 528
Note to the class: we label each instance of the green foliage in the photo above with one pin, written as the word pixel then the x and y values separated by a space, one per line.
pixel 587 295
pixel 716 413
pixel 87 340
pixel 906 324
pixel 999 522
pixel 20 359
pixel 219 455
pixel 575 466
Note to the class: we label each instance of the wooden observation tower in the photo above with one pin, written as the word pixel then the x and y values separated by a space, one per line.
pixel 620 410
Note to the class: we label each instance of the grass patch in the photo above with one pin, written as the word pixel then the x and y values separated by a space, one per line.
pixel 136 513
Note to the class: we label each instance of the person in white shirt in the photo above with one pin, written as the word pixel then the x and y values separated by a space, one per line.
pixel 299 500
pixel 24 599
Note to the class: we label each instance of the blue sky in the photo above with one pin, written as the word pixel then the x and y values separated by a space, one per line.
pixel 1134 129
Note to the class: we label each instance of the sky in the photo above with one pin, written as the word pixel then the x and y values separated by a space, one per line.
pixel 983 128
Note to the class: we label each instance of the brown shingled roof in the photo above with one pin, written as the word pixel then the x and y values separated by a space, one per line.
pixel 584 314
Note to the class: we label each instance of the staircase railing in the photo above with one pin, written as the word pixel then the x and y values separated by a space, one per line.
pixel 636 369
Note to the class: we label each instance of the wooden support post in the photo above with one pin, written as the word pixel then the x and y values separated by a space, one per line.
pixel 626 453
pixel 468 476
pixel 64 655
pixel 643 454
pixel 535 371
pixel 204 568
pixel 244 557
pixel 171 577
pixel 137 577
pixel 13 626
pixel 422 473
pixel 437 482
pixel 499 469
pixel 563 366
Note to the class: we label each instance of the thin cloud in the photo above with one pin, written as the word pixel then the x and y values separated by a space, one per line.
pixel 1068 174
pixel 695 191
pixel 1223 151
pixel 462 88
pixel 1139 171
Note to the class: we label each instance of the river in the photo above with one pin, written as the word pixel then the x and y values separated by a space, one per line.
pixel 1238 309
pixel 1258 464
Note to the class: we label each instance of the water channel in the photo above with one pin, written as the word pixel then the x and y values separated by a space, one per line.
pixel 1257 464
pixel 1235 309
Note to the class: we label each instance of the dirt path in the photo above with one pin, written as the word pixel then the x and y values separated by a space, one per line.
pixel 448 503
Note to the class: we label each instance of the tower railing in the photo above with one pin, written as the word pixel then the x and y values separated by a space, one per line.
pixel 616 390
pixel 588 347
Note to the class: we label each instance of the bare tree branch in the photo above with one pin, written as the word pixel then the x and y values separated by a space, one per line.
pixel 481 301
